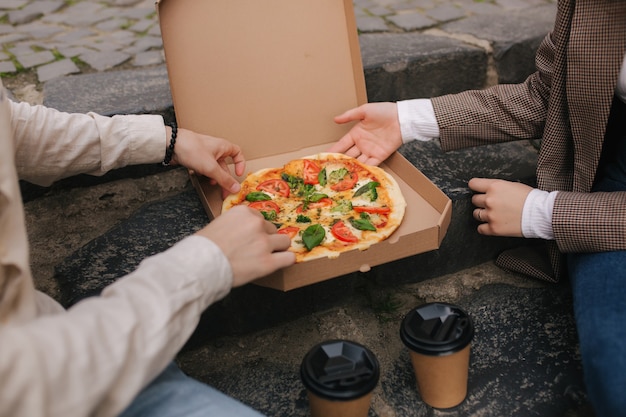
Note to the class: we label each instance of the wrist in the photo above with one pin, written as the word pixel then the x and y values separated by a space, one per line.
pixel 537 214
pixel 169 150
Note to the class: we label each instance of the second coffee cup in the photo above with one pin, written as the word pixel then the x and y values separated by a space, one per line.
pixel 438 337
pixel 339 376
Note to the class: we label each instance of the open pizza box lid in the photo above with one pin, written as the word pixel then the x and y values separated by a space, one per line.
pixel 270 76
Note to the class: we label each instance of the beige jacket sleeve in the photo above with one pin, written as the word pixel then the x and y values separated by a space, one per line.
pixel 93 359
pixel 51 145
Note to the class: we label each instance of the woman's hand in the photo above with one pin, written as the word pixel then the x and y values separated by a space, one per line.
pixel 499 206
pixel 376 135
pixel 208 156
pixel 250 243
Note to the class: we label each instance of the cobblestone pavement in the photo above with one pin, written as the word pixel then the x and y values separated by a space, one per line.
pixel 54 38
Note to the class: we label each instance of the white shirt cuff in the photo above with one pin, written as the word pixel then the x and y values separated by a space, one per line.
pixel 537 214
pixel 417 120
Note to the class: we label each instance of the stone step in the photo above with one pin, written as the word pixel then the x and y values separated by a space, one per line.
pixel 397 66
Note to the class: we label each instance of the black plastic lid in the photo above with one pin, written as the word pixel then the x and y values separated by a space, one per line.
pixel 436 329
pixel 340 370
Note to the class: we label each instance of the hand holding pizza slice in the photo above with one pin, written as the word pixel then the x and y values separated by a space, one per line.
pixel 327 203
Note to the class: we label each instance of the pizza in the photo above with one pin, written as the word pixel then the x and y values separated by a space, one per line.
pixel 327 203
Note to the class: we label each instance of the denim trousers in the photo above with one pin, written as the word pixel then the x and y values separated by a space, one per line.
pixel 174 394
pixel 598 283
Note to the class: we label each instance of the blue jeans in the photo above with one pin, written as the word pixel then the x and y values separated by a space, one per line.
pixel 174 394
pixel 599 289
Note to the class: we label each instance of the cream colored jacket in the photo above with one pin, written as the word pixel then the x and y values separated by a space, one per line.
pixel 95 357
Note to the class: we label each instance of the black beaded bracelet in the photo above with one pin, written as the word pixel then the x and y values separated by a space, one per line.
pixel 169 152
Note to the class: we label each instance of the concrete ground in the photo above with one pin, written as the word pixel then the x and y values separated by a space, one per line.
pixel 87 232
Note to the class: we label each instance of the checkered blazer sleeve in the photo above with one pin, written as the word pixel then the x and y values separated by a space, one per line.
pixel 590 222
pixel 501 113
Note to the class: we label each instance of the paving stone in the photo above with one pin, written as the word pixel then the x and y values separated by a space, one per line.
pixel 102 44
pixel 7 66
pixel 379 11
pixel 18 17
pixel 122 37
pixel 56 69
pixel 412 21
pixel 371 24
pixel 10 38
pixel 142 26
pixel 481 8
pixel 22 48
pixel 4 29
pixel 155 31
pixel 112 24
pixel 13 4
pixel 37 30
pixel 445 13
pixel 45 6
pixel 74 36
pixel 148 58
pixel 140 13
pixel 104 60
pixel 37 58
pixel 72 51
pixel 145 43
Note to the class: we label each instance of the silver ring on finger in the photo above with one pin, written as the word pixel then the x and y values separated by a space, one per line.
pixel 479 215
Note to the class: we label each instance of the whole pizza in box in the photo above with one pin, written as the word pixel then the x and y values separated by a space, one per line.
pixel 327 203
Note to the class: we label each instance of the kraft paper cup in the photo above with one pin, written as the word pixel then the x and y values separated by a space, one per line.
pixel 339 376
pixel 438 336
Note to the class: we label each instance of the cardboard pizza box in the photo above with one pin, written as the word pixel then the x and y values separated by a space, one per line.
pixel 270 76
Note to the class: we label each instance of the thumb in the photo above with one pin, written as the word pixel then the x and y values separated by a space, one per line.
pixel 350 115
pixel 226 181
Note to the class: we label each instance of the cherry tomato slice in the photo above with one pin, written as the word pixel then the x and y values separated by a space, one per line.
pixel 379 220
pixel 266 206
pixel 324 202
pixel 311 172
pixel 291 231
pixel 347 182
pixel 369 209
pixel 343 233
pixel 275 186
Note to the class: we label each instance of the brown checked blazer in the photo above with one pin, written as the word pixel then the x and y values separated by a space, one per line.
pixel 566 103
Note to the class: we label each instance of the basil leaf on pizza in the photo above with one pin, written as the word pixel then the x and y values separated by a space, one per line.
pixel 326 203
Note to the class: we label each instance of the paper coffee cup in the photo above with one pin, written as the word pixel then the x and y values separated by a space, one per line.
pixel 438 336
pixel 339 376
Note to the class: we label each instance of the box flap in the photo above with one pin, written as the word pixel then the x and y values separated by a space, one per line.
pixel 301 67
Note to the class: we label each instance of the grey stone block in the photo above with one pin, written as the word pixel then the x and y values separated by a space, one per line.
pixel 404 66
pixel 118 92
pixel 514 37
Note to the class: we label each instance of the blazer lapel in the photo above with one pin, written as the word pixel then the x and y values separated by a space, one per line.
pixel 595 54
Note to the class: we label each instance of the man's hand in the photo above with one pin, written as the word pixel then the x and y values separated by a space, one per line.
pixel 208 156
pixel 250 243
pixel 499 206
pixel 376 135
